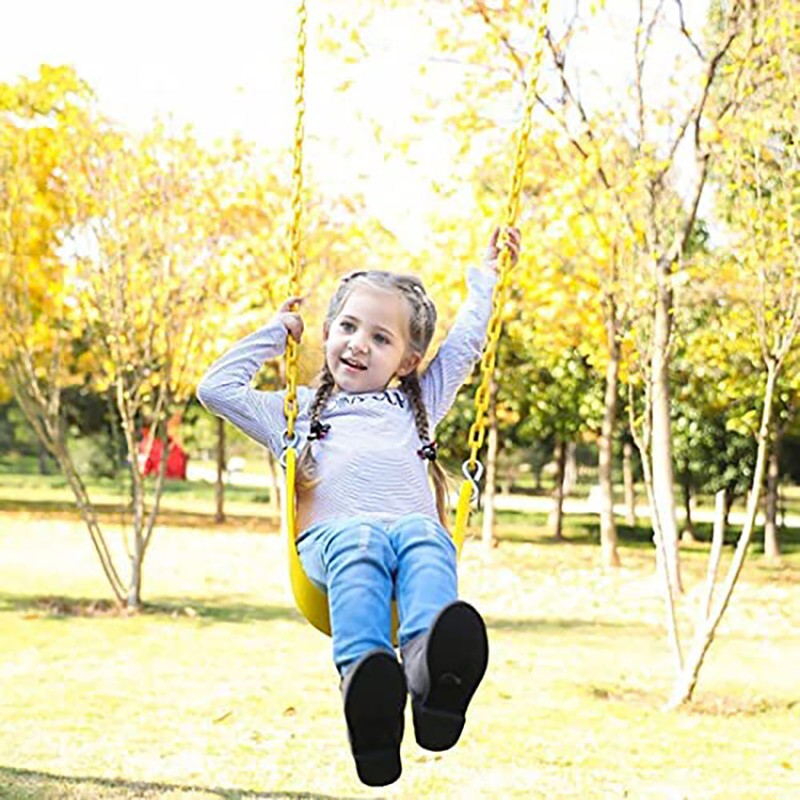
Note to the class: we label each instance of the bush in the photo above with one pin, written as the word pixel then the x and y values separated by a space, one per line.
pixel 93 455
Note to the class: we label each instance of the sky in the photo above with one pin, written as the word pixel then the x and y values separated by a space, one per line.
pixel 224 66
pixel 228 66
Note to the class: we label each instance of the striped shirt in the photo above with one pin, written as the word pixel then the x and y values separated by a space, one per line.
pixel 367 464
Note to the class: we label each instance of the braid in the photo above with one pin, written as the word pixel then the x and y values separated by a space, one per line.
pixel 306 465
pixel 410 385
pixel 413 390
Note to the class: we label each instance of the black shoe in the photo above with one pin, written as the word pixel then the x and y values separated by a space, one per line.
pixel 374 692
pixel 444 668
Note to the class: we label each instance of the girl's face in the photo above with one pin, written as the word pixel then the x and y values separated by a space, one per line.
pixel 366 344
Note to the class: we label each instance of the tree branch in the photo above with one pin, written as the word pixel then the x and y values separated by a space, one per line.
pixel 685 32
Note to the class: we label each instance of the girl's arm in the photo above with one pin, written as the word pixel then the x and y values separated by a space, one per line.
pixel 225 389
pixel 462 348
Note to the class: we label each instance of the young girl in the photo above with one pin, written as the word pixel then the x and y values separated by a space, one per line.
pixel 371 528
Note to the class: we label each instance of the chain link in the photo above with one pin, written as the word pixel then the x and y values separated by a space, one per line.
pixel 290 406
pixel 477 432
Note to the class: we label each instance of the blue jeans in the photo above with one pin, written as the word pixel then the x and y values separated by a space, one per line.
pixel 363 565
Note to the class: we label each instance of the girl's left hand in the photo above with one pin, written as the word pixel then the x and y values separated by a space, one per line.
pixel 513 241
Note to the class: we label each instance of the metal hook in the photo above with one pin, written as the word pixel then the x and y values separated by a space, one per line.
pixel 288 441
pixel 473 479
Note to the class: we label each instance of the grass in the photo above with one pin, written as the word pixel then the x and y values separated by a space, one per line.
pixel 219 690
pixel 182 503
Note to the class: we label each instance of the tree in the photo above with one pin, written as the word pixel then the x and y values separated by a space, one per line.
pixel 786 415
pixel 612 170
pixel 563 402
pixel 117 254
pixel 758 170
pixel 42 121
pixel 717 382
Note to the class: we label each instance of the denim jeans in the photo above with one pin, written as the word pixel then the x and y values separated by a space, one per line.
pixel 363 564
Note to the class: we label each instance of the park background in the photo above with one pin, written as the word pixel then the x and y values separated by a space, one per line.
pixel 636 551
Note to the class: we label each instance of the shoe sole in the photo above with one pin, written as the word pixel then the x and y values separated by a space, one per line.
pixel 457 657
pixel 373 708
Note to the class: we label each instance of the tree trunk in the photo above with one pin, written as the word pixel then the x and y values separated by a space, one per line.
pixel 714 556
pixel 570 468
pixel 730 496
pixel 219 486
pixel 274 488
pixel 487 529
pixel 608 528
pixel 661 448
pixel 630 490
pixel 687 679
pixel 42 458
pixel 557 514
pixel 144 519
pixel 134 600
pixel 89 515
pixel 136 553
pixel 772 548
pixel 661 561
pixel 688 534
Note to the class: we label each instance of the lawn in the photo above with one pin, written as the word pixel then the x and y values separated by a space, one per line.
pixel 220 690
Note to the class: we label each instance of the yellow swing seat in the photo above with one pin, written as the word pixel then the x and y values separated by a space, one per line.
pixel 313 602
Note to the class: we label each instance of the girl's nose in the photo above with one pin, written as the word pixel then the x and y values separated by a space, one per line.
pixel 357 344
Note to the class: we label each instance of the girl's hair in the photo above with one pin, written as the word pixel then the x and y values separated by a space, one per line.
pixel 421 324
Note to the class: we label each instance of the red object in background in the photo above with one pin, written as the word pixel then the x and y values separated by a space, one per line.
pixel 176 457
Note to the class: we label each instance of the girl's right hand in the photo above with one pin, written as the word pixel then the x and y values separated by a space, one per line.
pixel 513 242
pixel 291 319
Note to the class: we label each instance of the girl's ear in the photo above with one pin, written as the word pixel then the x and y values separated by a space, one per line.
pixel 326 329
pixel 409 363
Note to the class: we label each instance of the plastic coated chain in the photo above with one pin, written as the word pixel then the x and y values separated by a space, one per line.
pixel 295 232
pixel 477 432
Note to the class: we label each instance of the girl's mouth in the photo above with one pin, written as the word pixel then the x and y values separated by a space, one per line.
pixel 353 364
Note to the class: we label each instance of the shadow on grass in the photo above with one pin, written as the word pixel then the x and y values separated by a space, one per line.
pixel 585 529
pixel 222 610
pixel 206 610
pixel 213 610
pixel 548 624
pixel 23 784
pixel 577 533
pixel 116 513
pixel 704 704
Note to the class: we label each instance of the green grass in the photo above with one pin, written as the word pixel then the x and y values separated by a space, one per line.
pixel 182 503
pixel 219 690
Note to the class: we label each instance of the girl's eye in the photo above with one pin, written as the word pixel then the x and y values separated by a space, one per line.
pixel 381 339
pixel 347 327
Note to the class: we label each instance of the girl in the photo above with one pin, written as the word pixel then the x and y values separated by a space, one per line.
pixel 371 528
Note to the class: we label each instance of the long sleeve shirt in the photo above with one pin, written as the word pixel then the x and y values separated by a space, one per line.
pixel 367 463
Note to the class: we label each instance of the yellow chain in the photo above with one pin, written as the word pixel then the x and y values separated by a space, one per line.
pixel 477 432
pixel 295 230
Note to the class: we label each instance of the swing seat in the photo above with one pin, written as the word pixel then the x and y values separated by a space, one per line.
pixel 311 601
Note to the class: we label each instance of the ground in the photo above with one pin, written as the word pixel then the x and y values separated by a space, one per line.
pixel 220 690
